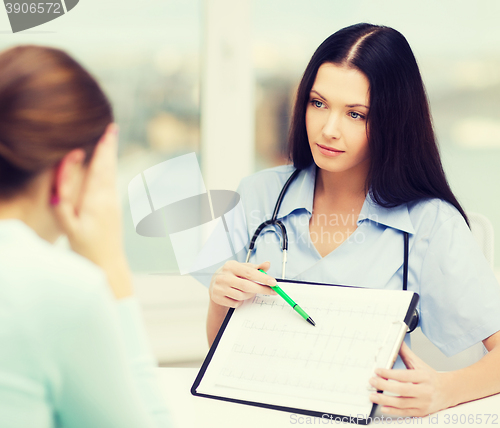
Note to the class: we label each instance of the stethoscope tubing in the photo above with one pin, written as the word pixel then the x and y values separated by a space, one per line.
pixel 273 221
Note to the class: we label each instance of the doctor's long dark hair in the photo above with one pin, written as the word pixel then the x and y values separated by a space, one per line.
pixel 405 165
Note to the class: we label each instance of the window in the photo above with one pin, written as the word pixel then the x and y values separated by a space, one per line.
pixel 146 56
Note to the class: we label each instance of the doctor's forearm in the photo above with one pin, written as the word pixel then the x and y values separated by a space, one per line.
pixel 215 317
pixel 476 381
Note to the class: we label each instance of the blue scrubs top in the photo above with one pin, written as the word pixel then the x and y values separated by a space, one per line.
pixel 459 294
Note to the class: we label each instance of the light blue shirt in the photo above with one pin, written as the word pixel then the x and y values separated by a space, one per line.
pixel 459 295
pixel 70 354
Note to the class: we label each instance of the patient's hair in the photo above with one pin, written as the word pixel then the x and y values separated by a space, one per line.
pixel 49 105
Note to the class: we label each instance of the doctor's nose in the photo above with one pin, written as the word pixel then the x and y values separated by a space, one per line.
pixel 331 128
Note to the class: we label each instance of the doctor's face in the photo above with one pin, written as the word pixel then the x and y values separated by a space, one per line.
pixel 336 119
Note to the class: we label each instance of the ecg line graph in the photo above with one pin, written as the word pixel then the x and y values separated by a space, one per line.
pixel 278 353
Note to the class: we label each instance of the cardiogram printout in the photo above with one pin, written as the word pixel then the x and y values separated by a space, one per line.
pixel 269 354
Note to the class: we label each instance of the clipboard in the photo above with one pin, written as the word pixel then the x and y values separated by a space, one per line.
pixel 240 365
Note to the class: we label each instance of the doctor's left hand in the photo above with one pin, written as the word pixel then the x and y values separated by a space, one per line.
pixel 420 390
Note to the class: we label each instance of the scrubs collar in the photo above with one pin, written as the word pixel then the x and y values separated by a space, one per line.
pixel 396 218
pixel 300 195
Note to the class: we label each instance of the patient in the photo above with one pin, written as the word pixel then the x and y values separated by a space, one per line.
pixel 72 348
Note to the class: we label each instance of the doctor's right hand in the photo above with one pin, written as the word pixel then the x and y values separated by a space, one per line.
pixel 231 285
pixel 236 282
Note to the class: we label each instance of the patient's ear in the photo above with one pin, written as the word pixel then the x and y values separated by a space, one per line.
pixel 68 178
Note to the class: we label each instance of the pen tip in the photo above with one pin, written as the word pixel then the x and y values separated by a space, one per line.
pixel 310 321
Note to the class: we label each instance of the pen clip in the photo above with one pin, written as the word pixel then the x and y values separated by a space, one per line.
pixel 402 327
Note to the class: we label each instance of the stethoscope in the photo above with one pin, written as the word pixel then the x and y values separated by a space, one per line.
pixel 273 221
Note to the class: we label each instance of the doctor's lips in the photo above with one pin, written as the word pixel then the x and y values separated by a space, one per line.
pixel 329 151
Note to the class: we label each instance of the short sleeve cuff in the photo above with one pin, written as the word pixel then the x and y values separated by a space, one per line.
pixel 489 327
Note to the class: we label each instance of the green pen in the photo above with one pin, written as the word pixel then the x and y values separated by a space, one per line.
pixel 289 300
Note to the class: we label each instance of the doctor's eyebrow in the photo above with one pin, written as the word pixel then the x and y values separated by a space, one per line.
pixel 318 94
pixel 356 105
pixel 347 105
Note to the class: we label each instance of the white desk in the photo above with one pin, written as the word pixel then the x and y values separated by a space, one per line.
pixel 197 412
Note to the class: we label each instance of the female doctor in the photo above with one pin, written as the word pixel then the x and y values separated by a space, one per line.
pixel 369 173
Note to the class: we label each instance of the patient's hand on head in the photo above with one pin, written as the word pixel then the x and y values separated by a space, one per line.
pixel 93 225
